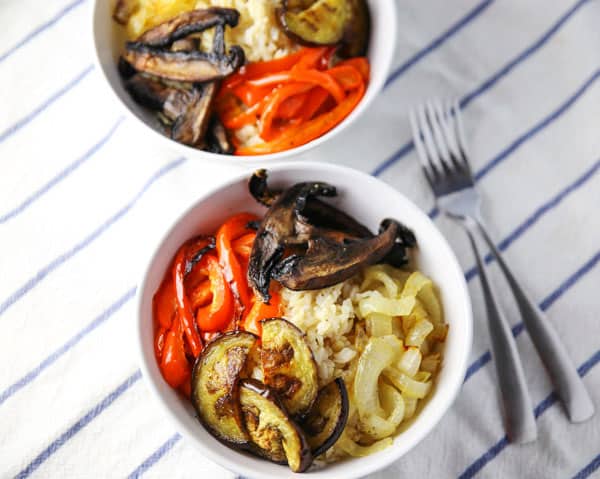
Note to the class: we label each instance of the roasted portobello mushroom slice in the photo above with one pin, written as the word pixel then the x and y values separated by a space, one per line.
pixel 273 433
pixel 152 93
pixel 188 23
pixel 328 262
pixel 288 365
pixel 277 231
pixel 192 66
pixel 190 127
pixel 327 418
pixel 215 386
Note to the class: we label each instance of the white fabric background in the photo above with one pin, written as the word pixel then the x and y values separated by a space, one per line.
pixel 82 194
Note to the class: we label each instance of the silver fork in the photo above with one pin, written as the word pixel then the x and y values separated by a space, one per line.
pixel 440 142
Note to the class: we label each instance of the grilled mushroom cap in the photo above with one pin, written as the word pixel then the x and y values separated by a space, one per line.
pixel 190 66
pixel 190 127
pixel 188 23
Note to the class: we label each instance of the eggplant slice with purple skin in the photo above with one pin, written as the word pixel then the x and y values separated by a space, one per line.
pixel 215 386
pixel 327 418
pixel 288 365
pixel 305 243
pixel 275 436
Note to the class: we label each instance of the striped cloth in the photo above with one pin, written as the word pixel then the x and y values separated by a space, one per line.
pixel 82 194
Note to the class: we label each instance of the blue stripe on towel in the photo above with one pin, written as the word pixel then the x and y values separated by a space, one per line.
pixel 11 130
pixel 155 456
pixel 589 469
pixel 46 270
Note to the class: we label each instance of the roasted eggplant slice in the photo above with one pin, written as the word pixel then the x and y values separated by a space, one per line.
pixel 317 23
pixel 190 127
pixel 327 262
pixel 188 23
pixel 194 66
pixel 357 30
pixel 275 435
pixel 327 418
pixel 217 138
pixel 288 365
pixel 215 386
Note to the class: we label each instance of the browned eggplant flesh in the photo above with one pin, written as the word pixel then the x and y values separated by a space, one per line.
pixel 327 418
pixel 274 434
pixel 215 386
pixel 288 365
pixel 328 22
pixel 304 243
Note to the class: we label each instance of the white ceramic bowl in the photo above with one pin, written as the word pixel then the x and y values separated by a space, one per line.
pixel 369 200
pixel 109 38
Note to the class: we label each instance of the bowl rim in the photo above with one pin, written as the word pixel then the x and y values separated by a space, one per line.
pixel 373 90
pixel 362 466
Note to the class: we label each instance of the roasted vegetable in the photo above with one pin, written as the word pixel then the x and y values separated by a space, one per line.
pixel 275 435
pixel 124 9
pixel 215 388
pixel 288 365
pixel 194 66
pixel 189 128
pixel 328 22
pixel 277 230
pixel 327 418
pixel 320 22
pixel 188 23
pixel 152 93
pixel 328 262
pixel 357 29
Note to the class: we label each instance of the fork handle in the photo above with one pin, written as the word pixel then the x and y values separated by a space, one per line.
pixel 518 410
pixel 567 382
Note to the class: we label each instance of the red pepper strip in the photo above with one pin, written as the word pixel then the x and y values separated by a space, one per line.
pixel 314 77
pixel 271 108
pixel 316 98
pixel 261 311
pixel 290 107
pixel 207 336
pixel 159 342
pixel 257 69
pixel 201 296
pixel 250 94
pixel 246 117
pixel 216 315
pixel 163 304
pixel 243 245
pixel 360 63
pixel 184 308
pixel 232 229
pixel 347 76
pixel 305 132
pixel 174 365
pixel 186 389
pixel 311 57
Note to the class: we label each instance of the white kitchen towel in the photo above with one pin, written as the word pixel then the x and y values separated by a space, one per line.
pixel 82 194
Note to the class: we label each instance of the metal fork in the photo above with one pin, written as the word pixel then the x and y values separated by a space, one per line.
pixel 439 138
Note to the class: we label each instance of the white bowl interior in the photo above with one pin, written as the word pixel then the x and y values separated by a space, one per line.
pixel 109 38
pixel 369 200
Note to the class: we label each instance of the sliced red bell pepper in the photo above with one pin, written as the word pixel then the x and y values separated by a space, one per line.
pixel 164 305
pixel 159 342
pixel 260 311
pixel 347 76
pixel 232 229
pixel 216 315
pixel 270 112
pixel 201 295
pixel 174 365
pixel 184 307
pixel 305 132
pixel 242 246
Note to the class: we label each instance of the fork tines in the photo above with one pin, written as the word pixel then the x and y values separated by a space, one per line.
pixel 440 143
